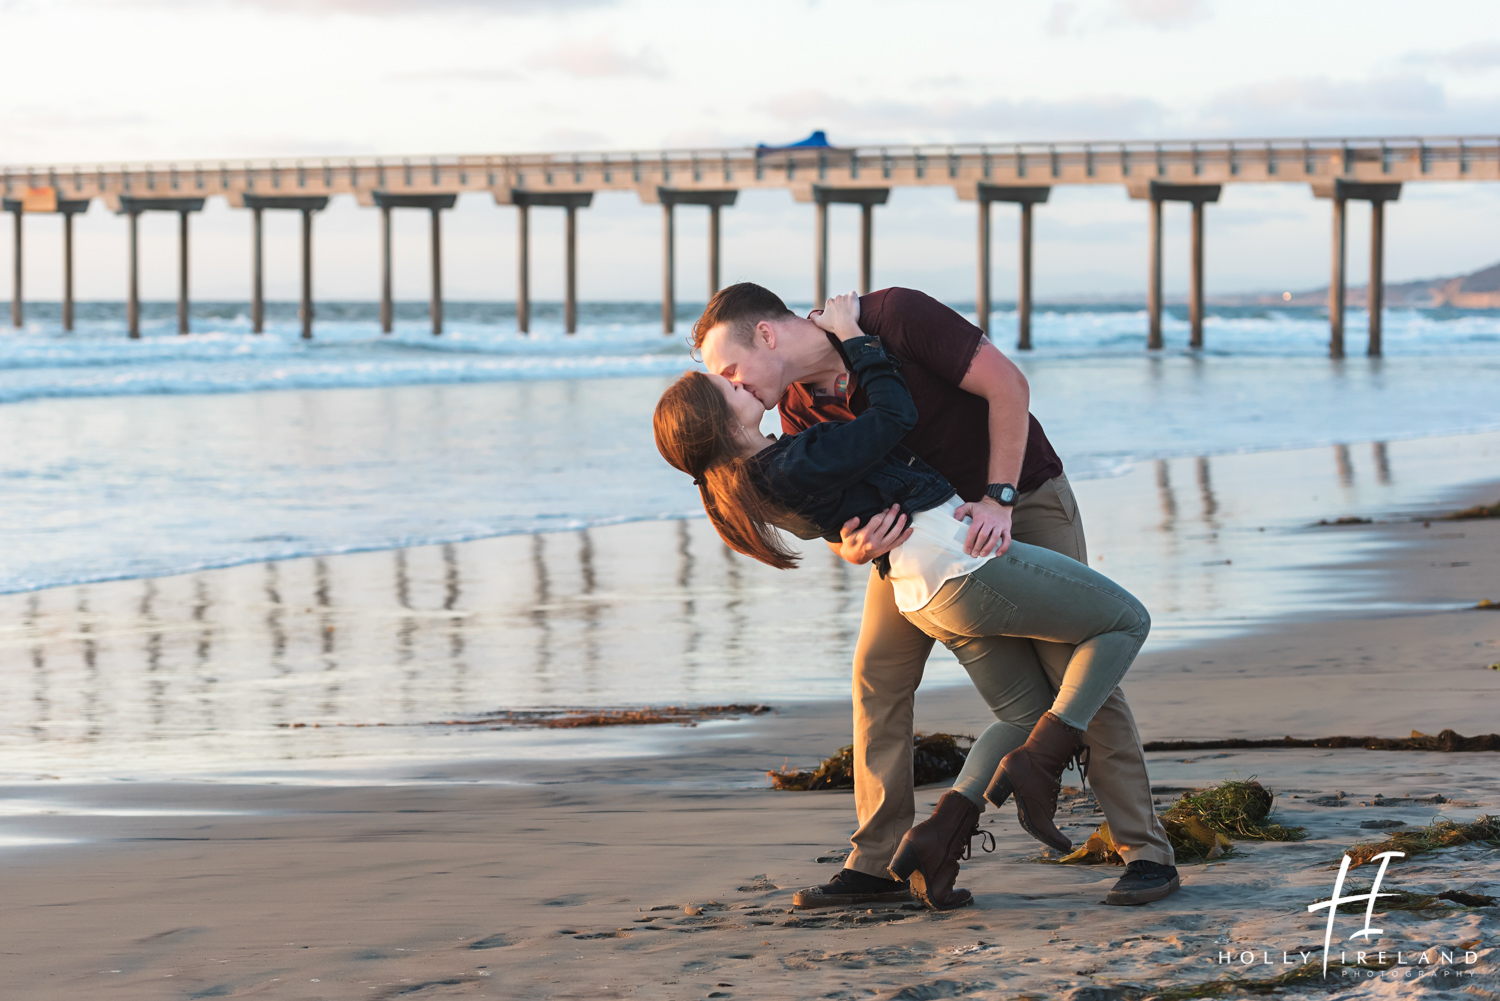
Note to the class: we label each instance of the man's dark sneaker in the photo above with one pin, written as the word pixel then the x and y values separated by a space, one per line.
pixel 1144 882
pixel 852 888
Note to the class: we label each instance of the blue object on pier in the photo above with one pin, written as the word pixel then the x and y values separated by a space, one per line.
pixel 818 140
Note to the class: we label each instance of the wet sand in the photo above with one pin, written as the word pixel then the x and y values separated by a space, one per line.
pixel 521 876
pixel 199 675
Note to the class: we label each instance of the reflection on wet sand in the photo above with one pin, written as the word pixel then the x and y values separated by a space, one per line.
pixel 1382 462
pixel 651 612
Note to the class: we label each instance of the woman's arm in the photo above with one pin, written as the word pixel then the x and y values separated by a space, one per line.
pixel 834 456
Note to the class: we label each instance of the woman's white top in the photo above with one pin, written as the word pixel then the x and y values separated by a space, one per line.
pixel 932 556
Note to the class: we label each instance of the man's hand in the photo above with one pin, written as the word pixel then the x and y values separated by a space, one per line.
pixel 882 533
pixel 989 532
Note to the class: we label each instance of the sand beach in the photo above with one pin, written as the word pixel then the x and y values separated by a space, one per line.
pixel 656 863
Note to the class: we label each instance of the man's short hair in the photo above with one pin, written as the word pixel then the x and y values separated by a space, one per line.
pixel 741 307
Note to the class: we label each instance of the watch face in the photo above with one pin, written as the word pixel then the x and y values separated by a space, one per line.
pixel 1007 494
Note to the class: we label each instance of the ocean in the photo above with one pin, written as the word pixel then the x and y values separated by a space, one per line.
pixel 170 454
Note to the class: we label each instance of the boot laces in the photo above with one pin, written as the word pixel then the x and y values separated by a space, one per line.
pixel 969 842
pixel 1080 758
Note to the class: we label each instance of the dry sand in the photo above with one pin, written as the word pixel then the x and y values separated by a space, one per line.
pixel 538 879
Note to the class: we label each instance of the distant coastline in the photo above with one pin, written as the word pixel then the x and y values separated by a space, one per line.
pixel 1477 290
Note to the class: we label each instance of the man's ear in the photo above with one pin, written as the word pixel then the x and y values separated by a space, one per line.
pixel 765 335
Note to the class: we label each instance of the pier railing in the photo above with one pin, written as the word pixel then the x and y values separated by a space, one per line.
pixel 1339 168
pixel 1221 161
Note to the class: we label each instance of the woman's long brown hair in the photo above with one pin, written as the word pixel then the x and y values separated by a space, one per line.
pixel 693 425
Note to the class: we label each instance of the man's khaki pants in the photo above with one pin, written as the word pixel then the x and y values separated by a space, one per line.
pixel 888 663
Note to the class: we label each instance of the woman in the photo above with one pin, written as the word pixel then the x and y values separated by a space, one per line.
pixel 812 483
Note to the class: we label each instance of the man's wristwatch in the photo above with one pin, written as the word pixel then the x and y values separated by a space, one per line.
pixel 1003 494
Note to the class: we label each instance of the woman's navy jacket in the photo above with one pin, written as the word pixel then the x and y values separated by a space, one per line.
pixel 839 470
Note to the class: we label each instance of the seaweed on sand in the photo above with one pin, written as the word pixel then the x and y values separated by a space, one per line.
pixel 936 757
pixel 1446 740
pixel 1402 900
pixel 1441 833
pixel 1192 841
pixel 1240 809
pixel 1202 826
pixel 1305 975
pixel 568 719
pixel 1472 513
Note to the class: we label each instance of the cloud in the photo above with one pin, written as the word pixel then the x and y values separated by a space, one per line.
pixel 1164 13
pixel 1319 94
pixel 1476 57
pixel 48 118
pixel 1081 17
pixel 1400 104
pixel 575 139
pixel 1104 117
pixel 457 75
pixel 382 8
pixel 598 58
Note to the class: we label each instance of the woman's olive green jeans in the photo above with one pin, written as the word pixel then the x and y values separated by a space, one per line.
pixel 1041 595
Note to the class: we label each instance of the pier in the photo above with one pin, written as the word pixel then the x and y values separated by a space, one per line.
pixel 1338 169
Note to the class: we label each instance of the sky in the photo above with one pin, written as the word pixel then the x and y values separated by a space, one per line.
pixel 151 80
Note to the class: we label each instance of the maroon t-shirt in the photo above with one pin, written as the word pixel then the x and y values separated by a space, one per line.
pixel 935 346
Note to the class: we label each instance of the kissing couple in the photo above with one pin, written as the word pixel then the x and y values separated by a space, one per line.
pixel 908 444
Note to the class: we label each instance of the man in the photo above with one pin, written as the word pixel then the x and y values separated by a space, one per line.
pixel 975 428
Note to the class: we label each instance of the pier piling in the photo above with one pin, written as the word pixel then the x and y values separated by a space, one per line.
pixel 435 304
pixel 182 272
pixel 1198 195
pixel 306 310
pixel 131 206
pixel 385 201
pixel 1154 340
pixel 257 276
pixel 713 249
pixel 1377 276
pixel 1195 295
pixel 866 199
pixel 387 307
pixel 571 202
pixel 133 292
pixel 523 276
pixel 982 306
pixel 1023 196
pixel 668 270
pixel 67 290
pixel 570 289
pixel 306 205
pixel 17 317
pixel 1337 281
pixel 670 198
pixel 68 209
pixel 820 252
pixel 1341 192
pixel 866 241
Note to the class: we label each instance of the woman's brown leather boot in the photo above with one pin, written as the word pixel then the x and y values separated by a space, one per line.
pixel 1033 773
pixel 928 855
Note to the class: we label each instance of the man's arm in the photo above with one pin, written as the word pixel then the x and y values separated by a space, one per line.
pixel 995 377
